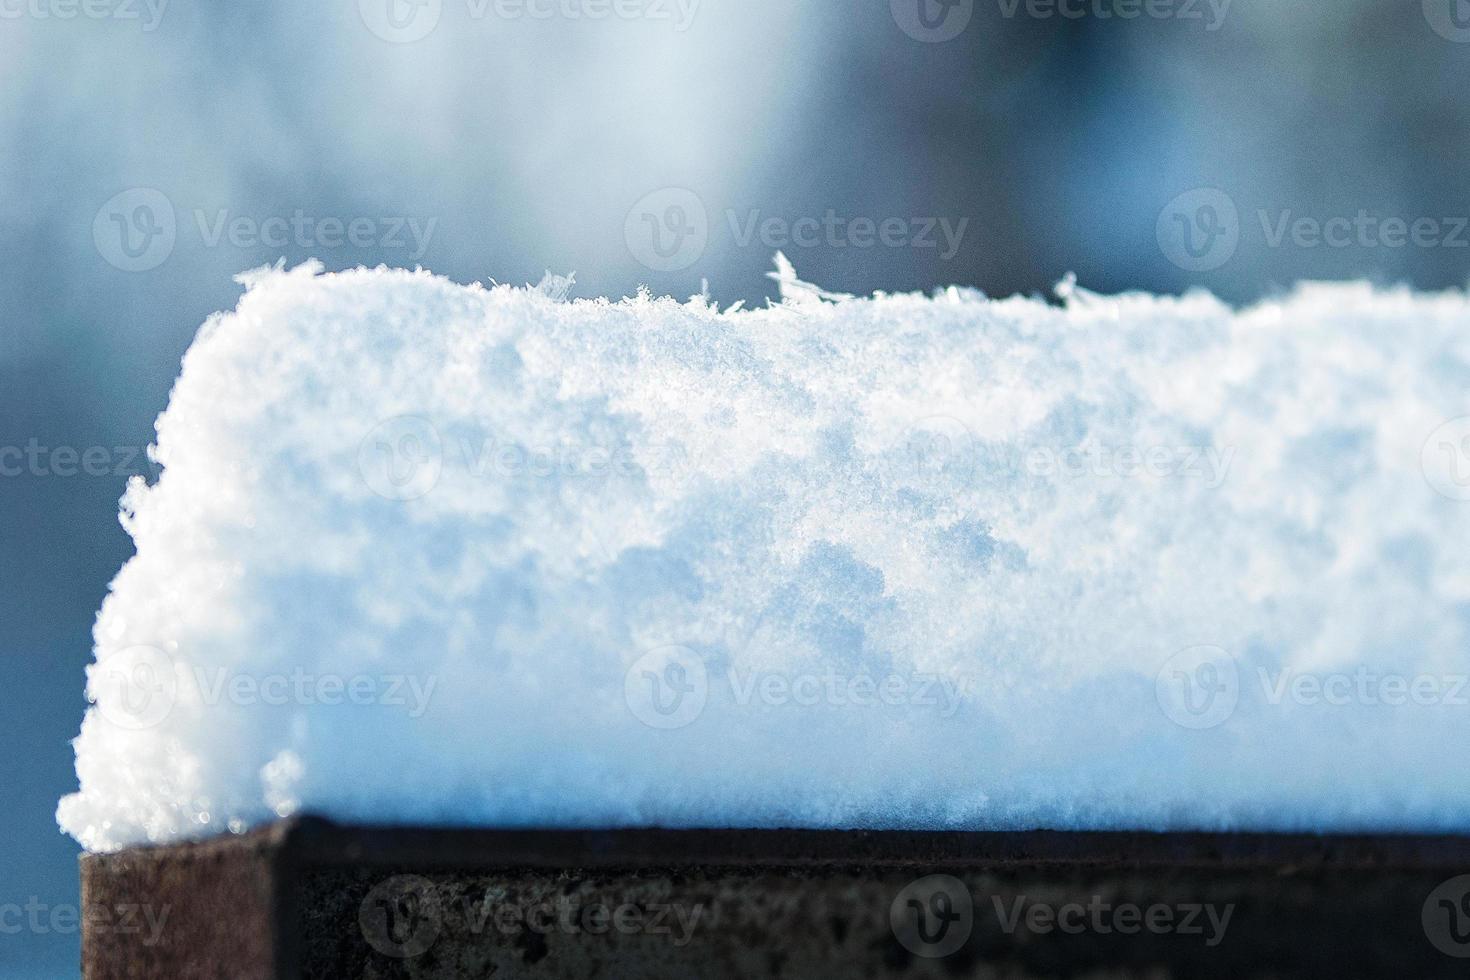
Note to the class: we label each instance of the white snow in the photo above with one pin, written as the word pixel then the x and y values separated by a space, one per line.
pixel 423 552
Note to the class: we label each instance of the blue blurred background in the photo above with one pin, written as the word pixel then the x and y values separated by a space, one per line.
pixel 145 147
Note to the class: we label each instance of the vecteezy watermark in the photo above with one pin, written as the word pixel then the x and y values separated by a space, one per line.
pixel 1198 687
pixel 933 916
pixel 1445 459
pixel 936 21
pixel 570 916
pixel 148 13
pixel 668 688
pixel 1201 230
pixel 1211 12
pixel 942 448
pixel 38 918
pixel 932 21
pixel 403 916
pixel 837 231
pixel 405 457
pixel 776 689
pixel 1450 19
pixel 1201 688
pixel 1203 919
pixel 1364 687
pixel 406 21
pixel 139 687
pixel 679 13
pixel 315 232
pixel 138 229
pixel 669 229
pixel 1362 230
pixel 1446 917
pixel 1208 464
pixel 36 459
pixel 299 686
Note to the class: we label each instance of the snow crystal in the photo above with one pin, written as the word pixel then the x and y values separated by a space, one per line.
pixel 423 552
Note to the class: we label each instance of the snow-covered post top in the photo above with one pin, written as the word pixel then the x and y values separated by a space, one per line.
pixel 439 553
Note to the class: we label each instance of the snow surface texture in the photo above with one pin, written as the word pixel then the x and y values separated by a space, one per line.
pixel 423 552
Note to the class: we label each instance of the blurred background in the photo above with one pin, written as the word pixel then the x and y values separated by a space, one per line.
pixel 152 149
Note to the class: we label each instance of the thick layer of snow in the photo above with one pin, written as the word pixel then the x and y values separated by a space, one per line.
pixel 435 553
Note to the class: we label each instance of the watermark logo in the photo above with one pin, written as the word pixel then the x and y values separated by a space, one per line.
pixel 670 229
pixel 1445 459
pixel 401 917
pixel 1199 230
pixel 932 450
pixel 1199 687
pixel 1449 18
pixel 933 916
pixel 667 688
pixel 138 230
pixel 667 230
pixel 932 21
pixel 402 458
pixel 136 687
pixel 135 230
pixel 400 21
pixel 1446 917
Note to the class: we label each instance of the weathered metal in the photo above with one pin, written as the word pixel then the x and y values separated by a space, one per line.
pixel 307 898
